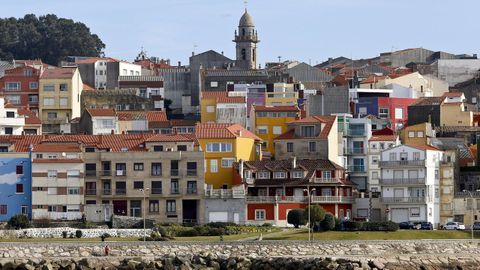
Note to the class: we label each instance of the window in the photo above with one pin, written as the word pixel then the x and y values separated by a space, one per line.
pixel 213 166
pixel 191 187
pixel 28 72
pixel 19 169
pixel 259 214
pixel 153 206
pixel 121 169
pixel 32 99
pixel 415 211
pixel 437 193
pixel 33 85
pixel 416 156
pixel 48 101
pixel 171 206
pixel 289 147
pixel 374 175
pixel 327 174
pixel 63 87
pixel 52 191
pixel 120 188
pixel 174 187
pixel 19 188
pixel 308 131
pixel 12 86
pixel 48 88
pixel 398 113
pixel 137 184
pixel 297 174
pixel 436 174
pixel 263 175
pixel 158 148
pixel 73 191
pixel 24 210
pixel 262 129
pixel 312 147
pixel 10 114
pixel 156 169
pixel 420 134
pixel 277 130
pixel 191 168
pixel 219 147
pixel 73 173
pixel 362 212
pixel 374 160
pixel 8 131
pixel 14 99
pixel 261 114
pixel 362 111
pixel 156 187
pixel 213 84
pixel 383 113
pixel 280 175
pixel 227 162
pixel 181 148
pixel 3 209
pixel 393 156
pixel 135 208
pixel 138 166
pixel 52 174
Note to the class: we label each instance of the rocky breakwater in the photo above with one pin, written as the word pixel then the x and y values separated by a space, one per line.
pixel 242 255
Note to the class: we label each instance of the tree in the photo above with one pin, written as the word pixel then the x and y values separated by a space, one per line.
pixel 48 38
pixel 295 217
pixel 317 214
pixel 328 222
pixel 19 222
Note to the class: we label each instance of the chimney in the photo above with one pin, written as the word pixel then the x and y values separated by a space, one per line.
pixel 239 133
pixel 294 163
pixel 179 63
pixel 240 168
pixel 112 131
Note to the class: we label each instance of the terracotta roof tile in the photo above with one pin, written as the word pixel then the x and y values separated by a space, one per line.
pixel 58 73
pixel 222 97
pixel 156 116
pixel 30 117
pixel 452 94
pixel 87 87
pixel 58 160
pixel 101 112
pixel 383 138
pixel 95 59
pixel 426 101
pixel 222 131
pixel 328 122
pixel 170 138
pixel 57 147
pixel 182 122
pixel 425 147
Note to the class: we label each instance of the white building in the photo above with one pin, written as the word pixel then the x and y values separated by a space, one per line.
pixel 410 183
pixel 11 123
pixel 377 144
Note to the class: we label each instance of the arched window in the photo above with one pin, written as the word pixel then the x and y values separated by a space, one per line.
pixel 244 54
pixel 243 31
pixel 254 54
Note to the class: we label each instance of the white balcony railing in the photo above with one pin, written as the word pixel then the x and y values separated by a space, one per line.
pixel 225 193
pixel 402 181
pixel 404 200
pixel 300 199
pixel 402 163
pixel 320 180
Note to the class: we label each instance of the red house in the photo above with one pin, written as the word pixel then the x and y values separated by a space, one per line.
pixel 20 87
pixel 275 187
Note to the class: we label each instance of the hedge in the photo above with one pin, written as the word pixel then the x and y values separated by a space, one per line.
pixel 369 226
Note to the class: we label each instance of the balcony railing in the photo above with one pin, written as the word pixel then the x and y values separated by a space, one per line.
pixel 249 181
pixel 356 168
pixel 91 173
pixel 356 133
pixel 90 192
pixel 174 172
pixel 402 163
pixel 156 191
pixel 356 151
pixel 107 191
pixel 120 191
pixel 402 181
pixel 225 193
pixel 325 180
pixel 191 191
pixel 300 199
pixel 121 172
pixel 191 172
pixel 403 199
pixel 174 191
pixel 106 173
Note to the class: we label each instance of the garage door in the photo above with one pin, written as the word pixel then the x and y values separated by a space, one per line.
pixel 218 217
pixel 399 214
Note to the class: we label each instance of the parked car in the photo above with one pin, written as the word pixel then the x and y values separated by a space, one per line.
pixel 426 226
pixel 476 225
pixel 408 225
pixel 454 226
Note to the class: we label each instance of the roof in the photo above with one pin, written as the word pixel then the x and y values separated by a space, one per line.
pixel 428 101
pixel 182 122
pixel 57 147
pixel 246 20
pixel 424 147
pixel 384 131
pixel 453 129
pixel 383 138
pixel 91 60
pixel 310 166
pixel 156 116
pixel 259 108
pixel 373 79
pixel 101 112
pixel 58 73
pixel 452 94
pixel 222 97
pixel 30 117
pixel 88 87
pixel 222 131
pixel 327 120
pixel 170 138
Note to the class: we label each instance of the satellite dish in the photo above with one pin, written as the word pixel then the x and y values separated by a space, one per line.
pixel 64 154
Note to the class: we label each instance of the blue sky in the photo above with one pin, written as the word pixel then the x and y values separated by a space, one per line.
pixel 305 30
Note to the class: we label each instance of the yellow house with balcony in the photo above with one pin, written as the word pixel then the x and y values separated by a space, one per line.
pixel 224 144
pixel 220 107
pixel 59 98
pixel 269 122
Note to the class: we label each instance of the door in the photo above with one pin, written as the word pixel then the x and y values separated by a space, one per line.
pixel 376 214
pixel 236 218
pixel 298 193
pixel 219 216
pixel 399 214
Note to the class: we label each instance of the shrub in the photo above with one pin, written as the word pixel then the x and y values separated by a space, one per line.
pixel 352 225
pixel 328 222
pixel 78 233
pixel 317 214
pixel 162 231
pixel 380 226
pixel 19 221
pixel 221 224
pixel 338 224
pixel 216 231
pixel 266 224
pixel 64 234
pixel 42 223
pixel 295 217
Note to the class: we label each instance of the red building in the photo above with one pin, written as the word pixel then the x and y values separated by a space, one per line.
pixel 20 87
pixel 394 109
pixel 275 187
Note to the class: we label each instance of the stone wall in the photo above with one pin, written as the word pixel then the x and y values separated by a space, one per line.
pixel 58 232
pixel 455 254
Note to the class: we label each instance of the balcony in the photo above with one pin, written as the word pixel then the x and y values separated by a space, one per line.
pixel 355 151
pixel 156 191
pixel 90 173
pixel 91 192
pixel 120 191
pixel 12 122
pixel 300 199
pixel 106 173
pixel 121 173
pixel 415 200
pixel 106 191
pixel 224 193
pixel 402 163
pixel 249 180
pixel 174 172
pixel 319 180
pixel 402 181
pixel 191 190
pixel 356 168
pixel 356 133
pixel 191 172
pixel 174 191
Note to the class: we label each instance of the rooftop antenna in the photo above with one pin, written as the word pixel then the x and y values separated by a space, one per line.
pixel 279 59
pixel 194 46
pixel 246 5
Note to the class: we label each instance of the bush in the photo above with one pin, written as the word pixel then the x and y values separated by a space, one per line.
pixel 78 233
pixel 380 226
pixel 328 222
pixel 42 223
pixel 221 224
pixel 316 216
pixel 352 225
pixel 19 222
pixel 64 234
pixel 338 224
pixel 162 231
pixel 267 225
pixel 295 217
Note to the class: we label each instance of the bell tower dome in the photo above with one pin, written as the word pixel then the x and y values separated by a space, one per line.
pixel 246 39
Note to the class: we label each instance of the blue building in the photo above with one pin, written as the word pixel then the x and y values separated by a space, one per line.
pixel 15 185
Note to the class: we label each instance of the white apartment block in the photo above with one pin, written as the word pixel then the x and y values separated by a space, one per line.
pixel 376 145
pixel 11 123
pixel 410 183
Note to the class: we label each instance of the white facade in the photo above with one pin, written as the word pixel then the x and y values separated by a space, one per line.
pixel 10 121
pixel 410 183
pixel 374 150
pixel 101 74
pixel 128 69
pixel 105 125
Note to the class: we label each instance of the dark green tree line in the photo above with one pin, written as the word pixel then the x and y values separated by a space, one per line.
pixel 48 38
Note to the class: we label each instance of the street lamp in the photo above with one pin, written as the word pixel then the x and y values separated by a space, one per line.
pixel 471 207
pixel 309 210
pixel 144 207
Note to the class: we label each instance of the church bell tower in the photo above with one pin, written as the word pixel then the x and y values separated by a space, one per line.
pixel 246 40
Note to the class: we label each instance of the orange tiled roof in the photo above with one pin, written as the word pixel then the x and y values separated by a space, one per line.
pixel 30 117
pixel 327 120
pixel 222 131
pixel 87 87
pixel 101 112
pixel 425 147
pixel 156 116
pixel 169 138
pixel 182 122
pixel 373 79
pixel 58 73
pixel 222 97
pixel 54 147
pixel 276 108
pixel 452 94
pixel 383 138
pixel 95 59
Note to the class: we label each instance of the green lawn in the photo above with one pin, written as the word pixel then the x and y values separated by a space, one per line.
pixel 398 235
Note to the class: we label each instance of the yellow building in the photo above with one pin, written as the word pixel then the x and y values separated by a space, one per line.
pixel 416 135
pixel 269 122
pixel 219 107
pixel 453 111
pixel 59 98
pixel 282 94
pixel 224 144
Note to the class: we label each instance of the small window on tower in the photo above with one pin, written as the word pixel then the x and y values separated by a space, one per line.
pixel 244 54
